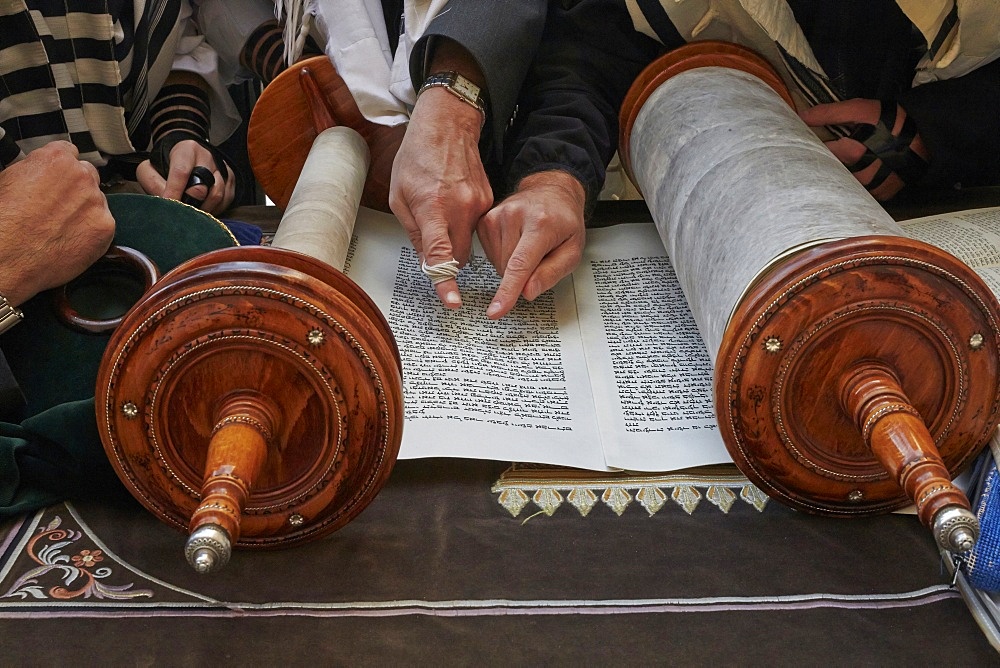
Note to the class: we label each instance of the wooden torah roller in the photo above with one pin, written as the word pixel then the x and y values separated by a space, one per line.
pixel 856 370
pixel 294 108
pixel 253 398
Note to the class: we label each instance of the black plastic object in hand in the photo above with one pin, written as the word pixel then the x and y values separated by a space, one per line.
pixel 200 176
pixel 159 157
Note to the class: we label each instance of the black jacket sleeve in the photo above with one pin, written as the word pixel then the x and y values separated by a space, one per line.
pixel 959 122
pixel 567 116
pixel 502 35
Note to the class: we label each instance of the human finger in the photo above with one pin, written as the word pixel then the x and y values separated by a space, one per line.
pixel 847 150
pixel 447 292
pixel 888 188
pixel 442 277
pixel 230 193
pixel 490 230
pixel 69 146
pixel 428 233
pixel 213 201
pixel 460 238
pixel 856 110
pixel 199 185
pixel 178 175
pixel 553 268
pixel 150 180
pixel 885 190
pixel 435 242
pixel 511 237
pixel 522 263
pixel 62 146
pixel 91 170
pixel 400 208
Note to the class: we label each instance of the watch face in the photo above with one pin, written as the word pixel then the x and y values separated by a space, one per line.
pixel 466 87
pixel 458 86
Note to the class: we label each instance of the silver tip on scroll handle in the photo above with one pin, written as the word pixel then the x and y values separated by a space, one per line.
pixel 956 529
pixel 208 548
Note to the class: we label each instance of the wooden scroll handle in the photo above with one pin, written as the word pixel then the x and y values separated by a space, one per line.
pixel 236 454
pixel 298 105
pixel 319 106
pixel 900 440
pixel 121 260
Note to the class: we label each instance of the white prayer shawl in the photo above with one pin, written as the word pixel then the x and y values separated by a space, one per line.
pixel 357 43
pixel 961 36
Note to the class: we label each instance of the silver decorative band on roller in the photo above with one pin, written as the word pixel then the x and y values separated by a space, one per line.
pixel 444 271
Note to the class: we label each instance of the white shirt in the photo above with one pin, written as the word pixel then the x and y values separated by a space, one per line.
pixel 357 43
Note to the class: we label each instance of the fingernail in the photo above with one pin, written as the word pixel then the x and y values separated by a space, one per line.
pixel 493 309
pixel 453 298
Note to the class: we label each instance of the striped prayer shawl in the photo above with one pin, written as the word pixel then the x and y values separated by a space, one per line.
pixel 82 71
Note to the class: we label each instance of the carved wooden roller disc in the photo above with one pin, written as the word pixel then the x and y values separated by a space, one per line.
pixel 282 128
pixel 282 353
pixel 802 332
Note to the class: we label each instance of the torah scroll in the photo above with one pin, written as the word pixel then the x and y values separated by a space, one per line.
pixel 855 369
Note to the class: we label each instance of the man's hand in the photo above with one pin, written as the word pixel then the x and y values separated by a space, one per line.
pixel 54 221
pixel 184 157
pixel 439 188
pixel 859 113
pixel 535 237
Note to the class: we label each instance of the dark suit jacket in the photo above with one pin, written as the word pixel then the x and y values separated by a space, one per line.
pixel 502 35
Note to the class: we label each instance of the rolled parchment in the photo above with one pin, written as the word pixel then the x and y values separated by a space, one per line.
pixel 735 180
pixel 319 219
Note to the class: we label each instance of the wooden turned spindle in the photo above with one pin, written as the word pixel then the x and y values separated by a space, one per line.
pixel 900 440
pixel 233 460
pixel 322 114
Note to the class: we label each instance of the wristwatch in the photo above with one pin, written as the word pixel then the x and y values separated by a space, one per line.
pixel 458 86
pixel 9 316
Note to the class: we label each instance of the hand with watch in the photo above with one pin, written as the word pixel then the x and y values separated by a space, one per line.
pixel 54 223
pixel 439 189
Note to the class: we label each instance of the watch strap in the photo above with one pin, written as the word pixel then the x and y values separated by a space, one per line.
pixel 9 316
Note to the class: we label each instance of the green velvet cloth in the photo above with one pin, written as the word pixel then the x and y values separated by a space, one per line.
pixel 54 455
pixel 55 452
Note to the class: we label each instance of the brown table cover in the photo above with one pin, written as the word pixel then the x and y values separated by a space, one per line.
pixel 437 571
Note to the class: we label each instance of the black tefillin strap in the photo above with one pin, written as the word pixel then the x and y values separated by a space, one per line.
pixel 893 150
